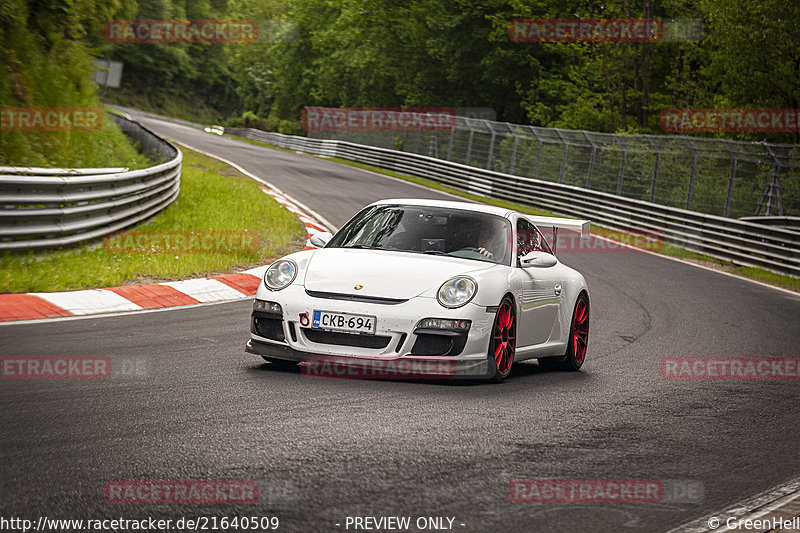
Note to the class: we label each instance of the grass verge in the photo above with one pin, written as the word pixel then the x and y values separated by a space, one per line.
pixel 754 273
pixel 214 198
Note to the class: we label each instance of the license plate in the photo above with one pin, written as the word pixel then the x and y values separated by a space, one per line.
pixel 344 322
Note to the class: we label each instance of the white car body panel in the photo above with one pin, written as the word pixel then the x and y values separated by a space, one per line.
pixel 338 270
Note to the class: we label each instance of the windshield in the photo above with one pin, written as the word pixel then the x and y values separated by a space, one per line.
pixel 428 230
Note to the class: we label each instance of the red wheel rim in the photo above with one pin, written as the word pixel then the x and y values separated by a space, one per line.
pixel 504 338
pixel 580 331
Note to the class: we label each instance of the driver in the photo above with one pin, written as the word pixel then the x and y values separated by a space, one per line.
pixel 489 242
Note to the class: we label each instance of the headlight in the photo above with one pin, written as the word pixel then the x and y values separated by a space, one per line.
pixel 280 274
pixel 457 291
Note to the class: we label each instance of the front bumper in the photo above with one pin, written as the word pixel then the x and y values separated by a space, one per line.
pixel 391 346
pixel 411 367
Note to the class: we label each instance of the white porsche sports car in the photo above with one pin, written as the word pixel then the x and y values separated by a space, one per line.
pixel 219 130
pixel 455 288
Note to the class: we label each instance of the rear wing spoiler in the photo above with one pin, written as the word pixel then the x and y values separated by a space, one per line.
pixel 573 224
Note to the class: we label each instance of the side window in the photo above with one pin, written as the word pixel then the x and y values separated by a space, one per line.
pixel 529 239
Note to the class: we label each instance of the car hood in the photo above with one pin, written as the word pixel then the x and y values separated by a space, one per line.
pixel 382 273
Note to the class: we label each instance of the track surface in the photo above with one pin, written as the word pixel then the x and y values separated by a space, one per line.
pixel 324 449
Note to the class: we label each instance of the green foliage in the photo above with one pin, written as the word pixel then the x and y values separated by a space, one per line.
pixel 458 53
pixel 423 53
pixel 158 73
pixel 45 52
pixel 755 48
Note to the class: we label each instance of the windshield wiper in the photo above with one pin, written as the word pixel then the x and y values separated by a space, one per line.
pixel 434 252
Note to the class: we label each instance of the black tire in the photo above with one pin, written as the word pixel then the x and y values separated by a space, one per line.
pixel 578 343
pixel 503 343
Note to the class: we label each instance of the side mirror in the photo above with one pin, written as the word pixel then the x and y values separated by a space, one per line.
pixel 538 259
pixel 321 239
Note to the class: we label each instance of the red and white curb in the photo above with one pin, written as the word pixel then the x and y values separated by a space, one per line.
pixel 223 288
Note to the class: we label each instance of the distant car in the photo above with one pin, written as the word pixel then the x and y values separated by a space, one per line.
pixel 421 280
pixel 219 130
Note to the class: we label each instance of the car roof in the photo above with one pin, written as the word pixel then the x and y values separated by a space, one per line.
pixel 466 206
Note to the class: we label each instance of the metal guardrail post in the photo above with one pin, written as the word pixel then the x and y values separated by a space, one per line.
pixel 622 164
pixel 491 148
pixel 450 144
pixel 563 167
pixel 433 145
pixel 773 191
pixel 655 169
pixel 592 158
pixel 538 159
pixel 690 188
pixel 513 153
pixel 469 144
pixel 732 176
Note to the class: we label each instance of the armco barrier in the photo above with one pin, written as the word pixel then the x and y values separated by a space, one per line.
pixel 715 176
pixel 43 207
pixel 790 223
pixel 740 242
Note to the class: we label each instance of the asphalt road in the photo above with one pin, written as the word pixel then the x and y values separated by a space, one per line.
pixel 192 404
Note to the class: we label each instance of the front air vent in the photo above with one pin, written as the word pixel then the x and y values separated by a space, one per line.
pixel 432 345
pixel 375 342
pixel 269 328
pixel 356 298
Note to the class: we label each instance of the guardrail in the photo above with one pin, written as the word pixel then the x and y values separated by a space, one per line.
pixel 740 242
pixel 709 175
pixel 43 207
pixel 789 223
